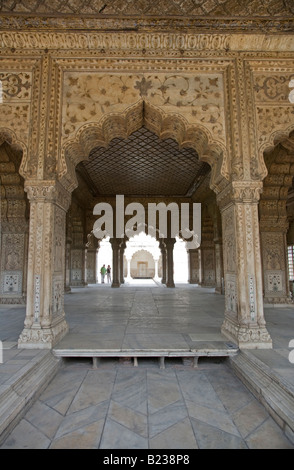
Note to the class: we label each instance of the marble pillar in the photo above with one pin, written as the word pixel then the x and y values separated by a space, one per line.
pixel 244 321
pixel 121 261
pixel 45 322
pixel 193 261
pixel 115 243
pixel 169 242
pixel 162 247
pixel 92 252
pixel 67 263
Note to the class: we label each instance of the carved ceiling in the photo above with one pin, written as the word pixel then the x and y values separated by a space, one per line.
pixel 143 165
pixel 217 8
pixel 273 16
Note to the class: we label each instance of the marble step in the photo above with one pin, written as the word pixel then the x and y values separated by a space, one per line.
pixel 21 390
pixel 274 393
pixel 205 350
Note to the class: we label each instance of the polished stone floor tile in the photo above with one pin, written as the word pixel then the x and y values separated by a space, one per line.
pixel 267 436
pixel 86 437
pixel 26 436
pixel 119 406
pixel 178 436
pixel 210 437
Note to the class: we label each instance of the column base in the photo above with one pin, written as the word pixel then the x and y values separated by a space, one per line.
pixel 78 284
pixel 218 290
pixel 277 301
pixel 37 337
pixel 170 284
pixel 251 337
pixel 115 284
pixel 13 300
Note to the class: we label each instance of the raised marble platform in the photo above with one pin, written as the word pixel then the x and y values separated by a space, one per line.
pixel 143 319
pixel 68 348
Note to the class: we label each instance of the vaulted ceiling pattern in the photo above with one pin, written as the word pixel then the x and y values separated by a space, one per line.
pixel 143 164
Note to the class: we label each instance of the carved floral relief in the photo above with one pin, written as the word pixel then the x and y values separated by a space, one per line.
pixel 89 96
pixel 15 106
pixel 270 89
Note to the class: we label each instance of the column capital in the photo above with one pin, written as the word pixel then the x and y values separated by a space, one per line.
pixel 169 242
pixel 93 243
pixel 116 242
pixel 48 191
pixel 240 192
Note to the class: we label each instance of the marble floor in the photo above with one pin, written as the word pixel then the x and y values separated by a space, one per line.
pixel 119 406
pixel 143 318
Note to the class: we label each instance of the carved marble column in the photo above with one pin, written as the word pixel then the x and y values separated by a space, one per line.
pixel 274 257
pixel 207 253
pixel 219 267
pixel 274 224
pixel 78 255
pixel 45 322
pixel 193 260
pixel 244 321
pixel 121 261
pixel 68 243
pixel 169 242
pixel 91 266
pixel 67 264
pixel 218 252
pixel 115 243
pixel 14 228
pixel 162 247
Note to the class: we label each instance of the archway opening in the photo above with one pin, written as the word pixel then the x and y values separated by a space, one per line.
pixel 147 156
pixel 143 260
pixel 14 226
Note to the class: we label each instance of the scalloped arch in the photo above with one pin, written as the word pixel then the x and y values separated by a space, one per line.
pixel 121 125
pixel 9 136
pixel 285 138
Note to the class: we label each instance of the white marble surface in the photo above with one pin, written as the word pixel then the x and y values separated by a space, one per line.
pixel 119 406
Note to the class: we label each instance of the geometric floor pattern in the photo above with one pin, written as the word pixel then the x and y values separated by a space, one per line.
pixel 119 406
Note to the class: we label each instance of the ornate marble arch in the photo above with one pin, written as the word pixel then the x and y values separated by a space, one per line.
pixel 9 136
pixel 142 113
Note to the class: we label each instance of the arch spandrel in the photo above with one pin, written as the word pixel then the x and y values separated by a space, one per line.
pixel 164 125
pixel 198 97
pixel 274 112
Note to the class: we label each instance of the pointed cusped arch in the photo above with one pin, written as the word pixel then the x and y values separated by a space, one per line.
pixel 7 135
pixel 283 137
pixel 122 125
